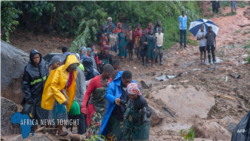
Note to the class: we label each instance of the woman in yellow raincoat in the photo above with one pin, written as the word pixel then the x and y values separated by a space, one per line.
pixel 60 87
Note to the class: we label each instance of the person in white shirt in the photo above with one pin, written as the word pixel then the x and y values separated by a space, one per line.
pixel 159 45
pixel 202 45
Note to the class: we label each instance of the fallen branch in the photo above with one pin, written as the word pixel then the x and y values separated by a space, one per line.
pixel 228 97
pixel 243 25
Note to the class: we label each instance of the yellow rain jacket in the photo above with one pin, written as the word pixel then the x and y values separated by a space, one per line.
pixel 56 82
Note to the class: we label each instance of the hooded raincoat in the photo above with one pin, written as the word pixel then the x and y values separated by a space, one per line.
pixel 34 79
pixel 33 83
pixel 114 91
pixel 57 82
pixel 91 71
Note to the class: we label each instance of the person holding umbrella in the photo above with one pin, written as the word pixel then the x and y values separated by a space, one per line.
pixel 211 44
pixel 202 45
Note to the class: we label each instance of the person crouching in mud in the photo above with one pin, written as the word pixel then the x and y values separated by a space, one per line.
pixel 136 124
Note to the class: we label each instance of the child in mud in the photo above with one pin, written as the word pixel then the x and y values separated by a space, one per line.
pixel 202 45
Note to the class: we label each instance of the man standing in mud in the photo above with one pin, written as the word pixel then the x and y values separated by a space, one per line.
pixel 183 28
pixel 202 45
pixel 211 44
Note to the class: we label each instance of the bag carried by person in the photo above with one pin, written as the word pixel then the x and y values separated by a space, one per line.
pixel 242 130
pixel 29 109
pixel 75 108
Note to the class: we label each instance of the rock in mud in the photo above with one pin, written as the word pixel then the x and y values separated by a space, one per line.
pixel 156 114
pixel 186 102
pixel 210 130
pixel 13 61
pixel 8 108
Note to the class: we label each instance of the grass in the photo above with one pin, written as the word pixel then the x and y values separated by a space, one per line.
pixel 190 135
pixel 192 42
pixel 248 52
pixel 241 4
pixel 248 59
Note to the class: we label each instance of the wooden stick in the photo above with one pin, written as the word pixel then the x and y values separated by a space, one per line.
pixel 243 106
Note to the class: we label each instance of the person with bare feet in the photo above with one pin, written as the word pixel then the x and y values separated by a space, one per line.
pixel 202 45
pixel 151 51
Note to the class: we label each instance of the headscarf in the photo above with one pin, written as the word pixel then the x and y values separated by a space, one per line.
pixel 89 49
pixel 133 88
pixel 84 52
pixel 117 30
pixel 103 26
pixel 150 24
pixel 110 18
pixel 55 59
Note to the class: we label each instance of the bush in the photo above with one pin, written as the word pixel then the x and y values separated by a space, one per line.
pixel 8 16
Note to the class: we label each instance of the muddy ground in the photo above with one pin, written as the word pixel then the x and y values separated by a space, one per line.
pixel 216 82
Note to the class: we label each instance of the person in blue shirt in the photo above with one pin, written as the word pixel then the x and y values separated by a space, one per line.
pixel 183 28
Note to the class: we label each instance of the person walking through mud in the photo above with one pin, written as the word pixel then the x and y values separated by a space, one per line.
pixel 233 5
pixel 202 45
pixel 33 81
pixel 60 89
pixel 183 28
pixel 211 44
pixel 116 94
pixel 95 108
pixel 216 6
pixel 136 125
pixel 159 45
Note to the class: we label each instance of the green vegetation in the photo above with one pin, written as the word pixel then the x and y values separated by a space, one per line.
pixel 238 31
pixel 8 16
pixel 190 135
pixel 82 19
pixel 96 138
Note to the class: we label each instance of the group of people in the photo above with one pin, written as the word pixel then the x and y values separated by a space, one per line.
pixel 104 98
pixel 216 6
pixel 146 44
